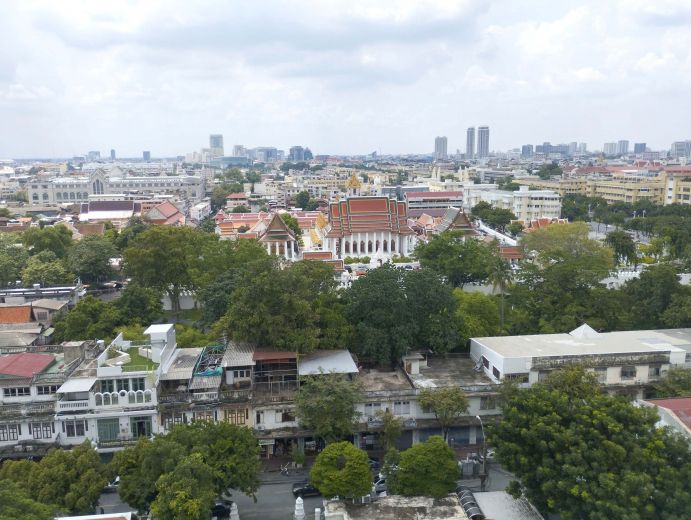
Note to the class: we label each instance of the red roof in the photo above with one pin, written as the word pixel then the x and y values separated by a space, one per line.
pixel 679 406
pixel 265 356
pixel 433 194
pixel 18 314
pixel 24 364
pixel 238 196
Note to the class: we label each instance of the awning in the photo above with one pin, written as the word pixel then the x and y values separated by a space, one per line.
pixel 78 384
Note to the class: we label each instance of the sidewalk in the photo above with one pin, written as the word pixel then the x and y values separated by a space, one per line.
pixel 271 470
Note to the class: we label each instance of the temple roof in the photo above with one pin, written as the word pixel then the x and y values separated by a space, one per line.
pixel 367 215
pixel 455 220
pixel 277 231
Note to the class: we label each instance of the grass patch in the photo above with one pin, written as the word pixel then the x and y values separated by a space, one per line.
pixel 138 362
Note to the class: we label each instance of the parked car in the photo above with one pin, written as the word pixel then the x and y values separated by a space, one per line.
pixel 305 489
pixel 379 486
pixel 221 509
pixel 112 486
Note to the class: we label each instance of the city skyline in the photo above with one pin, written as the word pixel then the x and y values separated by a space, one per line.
pixel 342 78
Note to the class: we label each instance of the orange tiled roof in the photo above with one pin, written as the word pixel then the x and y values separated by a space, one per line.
pixel 15 314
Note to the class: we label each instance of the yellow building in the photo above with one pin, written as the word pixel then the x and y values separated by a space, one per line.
pixel 571 186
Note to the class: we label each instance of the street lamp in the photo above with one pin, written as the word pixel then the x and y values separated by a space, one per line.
pixel 483 477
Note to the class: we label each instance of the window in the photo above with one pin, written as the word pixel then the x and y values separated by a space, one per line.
pixel 628 372
pixel 75 428
pixel 371 409
pixel 601 374
pixel 236 415
pixel 42 430
pixel 259 418
pixel 47 389
pixel 207 415
pixel 123 384
pixel 138 383
pixel 485 362
pixel 654 371
pixel 488 403
pixel 21 391
pixel 107 385
pixel 401 407
pixel 140 426
pixel 285 416
pixel 241 374
pixel 10 432
pixel 496 373
pixel 174 418
pixel 518 378
pixel 108 429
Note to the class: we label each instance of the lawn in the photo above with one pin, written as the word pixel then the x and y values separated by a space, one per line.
pixel 138 362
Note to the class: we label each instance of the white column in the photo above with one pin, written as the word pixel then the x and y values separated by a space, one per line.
pixel 285 249
pixel 268 248
pixel 367 243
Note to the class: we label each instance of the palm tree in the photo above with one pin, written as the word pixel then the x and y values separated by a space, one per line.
pixel 500 275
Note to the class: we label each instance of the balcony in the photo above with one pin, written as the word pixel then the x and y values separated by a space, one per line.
pixel 74 406
pixel 235 395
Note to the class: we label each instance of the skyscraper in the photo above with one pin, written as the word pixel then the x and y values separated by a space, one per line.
pixel 527 150
pixel 639 147
pixel 112 154
pixel 297 153
pixel 609 149
pixel 470 143
pixel 582 147
pixel 146 155
pixel 622 147
pixel 573 148
pixel 216 145
pixel 440 144
pixel 482 141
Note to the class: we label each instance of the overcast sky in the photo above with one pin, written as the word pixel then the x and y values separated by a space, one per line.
pixel 343 77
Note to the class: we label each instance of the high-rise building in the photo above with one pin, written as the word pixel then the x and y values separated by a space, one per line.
pixel 297 154
pixel 527 150
pixel 146 155
pixel 93 156
pixel 112 154
pixel 309 156
pixel 573 148
pixel 622 147
pixel 582 148
pixel 681 149
pixel 216 145
pixel 639 147
pixel 609 149
pixel 239 151
pixel 440 144
pixel 470 143
pixel 482 141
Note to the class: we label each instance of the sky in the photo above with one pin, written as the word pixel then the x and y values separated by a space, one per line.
pixel 342 77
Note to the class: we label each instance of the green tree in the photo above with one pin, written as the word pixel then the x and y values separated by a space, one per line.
pixel 139 304
pixel 500 276
pixel 497 218
pixel 515 228
pixel 90 319
pixel 135 227
pixel 293 225
pixel 187 336
pixel 477 314
pixel 325 404
pixel 302 199
pixel 165 258
pixel 389 430
pixel 13 258
pixel 240 209
pixel 219 194
pixel 548 170
pixel 341 469
pixel 45 269
pixel 234 175
pixel 676 383
pixel 623 246
pixel 581 453
pixel 16 502
pixel 57 239
pixel 427 469
pixel 5 213
pixel 186 492
pixel 67 480
pixel 90 257
pixel 460 261
pixel 280 308
pixel 447 403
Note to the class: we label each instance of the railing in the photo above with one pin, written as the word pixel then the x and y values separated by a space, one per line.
pixel 205 396
pixel 236 395
pixel 73 405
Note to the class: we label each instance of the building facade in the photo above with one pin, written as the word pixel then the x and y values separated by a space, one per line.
pixel 482 142
pixel 440 148
pixel 470 143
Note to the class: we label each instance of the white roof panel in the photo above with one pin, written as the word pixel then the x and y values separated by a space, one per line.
pixel 327 361
pixel 77 384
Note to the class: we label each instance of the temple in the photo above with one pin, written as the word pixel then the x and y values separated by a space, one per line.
pixel 368 226
pixel 279 239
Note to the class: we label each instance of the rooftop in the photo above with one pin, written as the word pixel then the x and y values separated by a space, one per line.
pixel 376 381
pixel 402 508
pixel 15 314
pixel 182 364
pixel 449 371
pixel 679 406
pixel 327 361
pixel 594 343
pixel 238 355
pixel 25 364
pixel 499 504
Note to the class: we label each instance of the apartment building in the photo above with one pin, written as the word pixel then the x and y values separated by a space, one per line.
pixel 624 361
pixel 525 203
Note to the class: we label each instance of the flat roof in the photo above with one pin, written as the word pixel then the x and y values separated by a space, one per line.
pixel 77 384
pixel 159 328
pixel 620 342
pixel 182 364
pixel 327 361
pixel 273 354
pixel 443 371
pixel 499 504
pixel 374 380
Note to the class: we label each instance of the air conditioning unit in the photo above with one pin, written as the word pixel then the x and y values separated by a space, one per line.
pixel 260 428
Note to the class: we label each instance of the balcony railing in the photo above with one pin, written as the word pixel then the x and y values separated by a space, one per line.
pixel 235 395
pixel 64 406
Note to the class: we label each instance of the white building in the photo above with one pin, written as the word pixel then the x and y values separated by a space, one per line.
pixel 624 361
pixel 525 203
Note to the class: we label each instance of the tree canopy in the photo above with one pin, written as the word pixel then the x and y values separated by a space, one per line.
pixel 90 257
pixel 342 470
pixel 428 468
pixel 447 404
pixel 326 403
pixel 581 453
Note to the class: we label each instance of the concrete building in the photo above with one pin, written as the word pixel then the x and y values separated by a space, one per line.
pixel 639 148
pixel 482 142
pixel 625 361
pixel 681 149
pixel 525 203
pixel 622 147
pixel 216 145
pixel 146 155
pixel 527 151
pixel 422 200
pixel 297 154
pixel 609 149
pixel 440 148
pixel 470 143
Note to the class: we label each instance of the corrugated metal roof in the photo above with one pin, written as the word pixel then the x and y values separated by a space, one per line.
pixel 182 365
pixel 205 382
pixel 25 364
pixel 327 361
pixel 77 384
pixel 238 355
